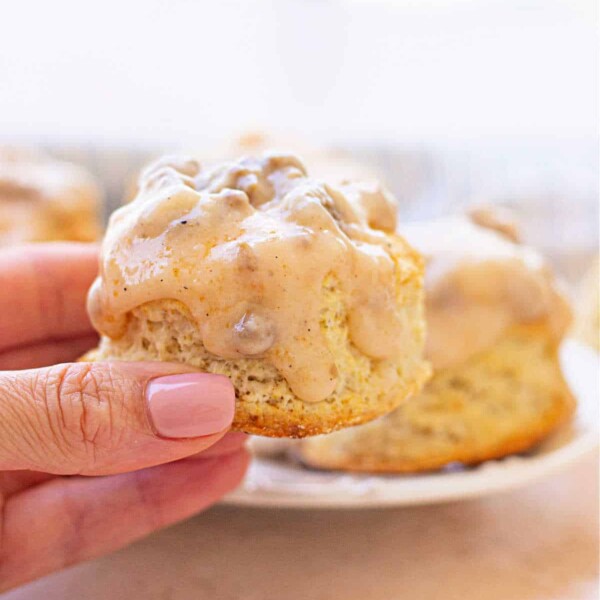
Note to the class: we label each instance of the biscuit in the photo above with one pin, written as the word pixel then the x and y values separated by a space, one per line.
pixel 501 401
pixel 300 292
pixel 45 199
pixel 495 318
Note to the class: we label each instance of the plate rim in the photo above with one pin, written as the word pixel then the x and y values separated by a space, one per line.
pixel 491 477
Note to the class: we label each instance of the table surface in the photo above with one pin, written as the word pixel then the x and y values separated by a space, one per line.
pixel 539 542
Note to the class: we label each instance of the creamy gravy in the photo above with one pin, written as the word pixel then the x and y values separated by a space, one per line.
pixel 478 283
pixel 247 247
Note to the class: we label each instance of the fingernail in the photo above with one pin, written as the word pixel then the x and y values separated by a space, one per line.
pixel 191 404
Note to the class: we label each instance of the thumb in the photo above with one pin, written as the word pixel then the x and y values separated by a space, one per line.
pixel 103 418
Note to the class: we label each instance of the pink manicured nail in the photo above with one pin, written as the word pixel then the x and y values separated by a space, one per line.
pixel 191 404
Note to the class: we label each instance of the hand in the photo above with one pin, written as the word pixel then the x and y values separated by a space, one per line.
pixel 139 425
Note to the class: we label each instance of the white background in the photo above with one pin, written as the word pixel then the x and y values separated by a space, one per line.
pixel 405 70
pixel 488 100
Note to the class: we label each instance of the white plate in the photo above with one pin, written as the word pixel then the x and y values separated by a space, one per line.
pixel 279 482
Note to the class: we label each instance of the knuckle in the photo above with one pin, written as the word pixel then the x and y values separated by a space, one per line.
pixel 81 403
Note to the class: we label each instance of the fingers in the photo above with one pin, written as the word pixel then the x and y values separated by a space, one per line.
pixel 45 291
pixel 228 444
pixel 47 353
pixel 74 519
pixel 105 418
pixel 12 482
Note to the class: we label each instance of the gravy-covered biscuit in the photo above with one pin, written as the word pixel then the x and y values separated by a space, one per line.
pixel 299 291
pixel 495 319
pixel 44 199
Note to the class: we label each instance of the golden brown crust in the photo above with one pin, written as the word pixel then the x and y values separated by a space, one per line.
pixel 370 454
pixel 513 445
pixel 300 421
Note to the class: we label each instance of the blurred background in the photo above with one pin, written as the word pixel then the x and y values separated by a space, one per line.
pixel 457 101
pixel 453 103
